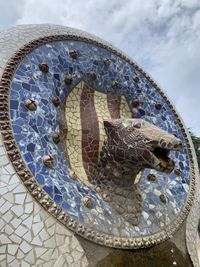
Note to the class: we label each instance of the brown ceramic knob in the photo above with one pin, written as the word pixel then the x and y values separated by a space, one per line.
pixel 56 138
pixel 163 199
pixel 106 61
pixel 115 84
pixel 136 79
pixel 178 172
pixel 98 189
pixel 107 197
pixel 135 103
pixel 48 161
pixel 68 79
pixel 30 104
pixel 55 100
pixel 151 177
pixel 73 175
pixel 93 76
pixel 158 106
pixel 44 67
pixel 87 201
pixel 73 54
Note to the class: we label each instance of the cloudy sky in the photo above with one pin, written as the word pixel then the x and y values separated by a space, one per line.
pixel 163 36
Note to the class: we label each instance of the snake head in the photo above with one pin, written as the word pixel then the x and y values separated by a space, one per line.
pixel 140 143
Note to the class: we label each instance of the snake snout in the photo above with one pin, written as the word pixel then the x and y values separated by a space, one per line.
pixel 162 150
pixel 170 142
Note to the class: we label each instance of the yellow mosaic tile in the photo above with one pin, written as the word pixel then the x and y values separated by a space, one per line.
pixel 101 107
pixel 125 111
pixel 74 134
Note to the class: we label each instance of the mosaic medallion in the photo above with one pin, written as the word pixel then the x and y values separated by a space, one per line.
pixel 96 141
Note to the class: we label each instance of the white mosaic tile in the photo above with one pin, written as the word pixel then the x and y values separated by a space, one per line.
pixel 2 249
pixel 12 249
pixel 19 199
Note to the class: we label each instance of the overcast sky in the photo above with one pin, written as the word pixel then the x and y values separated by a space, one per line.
pixel 163 36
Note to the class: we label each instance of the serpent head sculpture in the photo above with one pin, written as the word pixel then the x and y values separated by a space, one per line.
pixel 131 146
pixel 139 144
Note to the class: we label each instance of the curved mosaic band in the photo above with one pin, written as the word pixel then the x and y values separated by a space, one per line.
pixel 41 196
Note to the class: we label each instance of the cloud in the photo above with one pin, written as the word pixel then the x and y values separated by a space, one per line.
pixel 10 12
pixel 162 36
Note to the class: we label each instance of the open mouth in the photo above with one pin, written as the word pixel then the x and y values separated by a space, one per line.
pixel 164 163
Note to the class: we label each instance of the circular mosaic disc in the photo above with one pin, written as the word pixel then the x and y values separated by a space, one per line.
pixel 55 94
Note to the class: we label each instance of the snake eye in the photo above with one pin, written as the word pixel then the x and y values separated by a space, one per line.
pixel 133 126
pixel 137 125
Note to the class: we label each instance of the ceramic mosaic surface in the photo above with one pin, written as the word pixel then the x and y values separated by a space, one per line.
pixel 29 236
pixel 83 153
pixel 33 132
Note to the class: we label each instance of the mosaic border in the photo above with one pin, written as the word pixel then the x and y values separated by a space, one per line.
pixel 41 196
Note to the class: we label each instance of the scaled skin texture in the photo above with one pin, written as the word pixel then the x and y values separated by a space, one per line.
pixel 131 146
pixel 139 144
